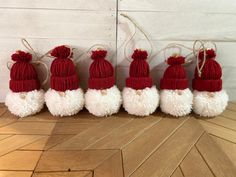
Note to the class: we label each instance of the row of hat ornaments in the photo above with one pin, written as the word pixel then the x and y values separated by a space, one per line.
pixel 139 97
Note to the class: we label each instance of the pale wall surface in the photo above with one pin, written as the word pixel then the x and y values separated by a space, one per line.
pixel 82 23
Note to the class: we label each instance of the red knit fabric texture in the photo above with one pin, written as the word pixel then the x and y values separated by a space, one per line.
pixel 211 74
pixel 23 75
pixel 63 72
pixel 174 77
pixel 101 71
pixel 139 72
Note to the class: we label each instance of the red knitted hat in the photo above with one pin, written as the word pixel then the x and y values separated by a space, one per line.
pixel 101 71
pixel 210 76
pixel 23 75
pixel 139 72
pixel 175 77
pixel 63 72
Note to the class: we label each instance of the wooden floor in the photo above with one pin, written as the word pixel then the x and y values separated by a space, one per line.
pixel 121 145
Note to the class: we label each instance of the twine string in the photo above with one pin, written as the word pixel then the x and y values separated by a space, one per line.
pixel 132 36
pixel 89 50
pixel 203 48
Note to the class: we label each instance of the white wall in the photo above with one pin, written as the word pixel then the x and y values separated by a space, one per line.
pixel 82 23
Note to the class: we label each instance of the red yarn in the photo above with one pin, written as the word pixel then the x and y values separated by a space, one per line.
pixel 139 54
pixel 139 71
pixel 210 54
pixel 61 52
pixel 175 75
pixel 98 54
pixel 21 56
pixel 23 75
pixel 101 71
pixel 175 60
pixel 63 72
pixel 210 79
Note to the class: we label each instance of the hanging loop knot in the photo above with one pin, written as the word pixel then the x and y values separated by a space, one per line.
pixel 139 54
pixel 136 26
pixel 98 54
pixel 21 56
pixel 62 52
pixel 202 53
pixel 175 60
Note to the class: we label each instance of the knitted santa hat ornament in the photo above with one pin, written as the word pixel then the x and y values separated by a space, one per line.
pixel 64 98
pixel 175 96
pixel 140 96
pixel 102 98
pixel 25 96
pixel 208 99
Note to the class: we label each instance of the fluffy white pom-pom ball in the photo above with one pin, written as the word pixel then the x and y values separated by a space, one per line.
pixel 176 102
pixel 103 102
pixel 140 102
pixel 66 103
pixel 24 104
pixel 209 104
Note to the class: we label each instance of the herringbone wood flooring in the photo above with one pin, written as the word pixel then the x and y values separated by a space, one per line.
pixel 121 145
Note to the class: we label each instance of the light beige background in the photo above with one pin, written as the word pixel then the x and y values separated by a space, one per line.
pixel 82 23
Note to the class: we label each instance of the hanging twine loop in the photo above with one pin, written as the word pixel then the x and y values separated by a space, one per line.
pixel 172 46
pixel 88 52
pixel 201 48
pixel 97 47
pixel 136 26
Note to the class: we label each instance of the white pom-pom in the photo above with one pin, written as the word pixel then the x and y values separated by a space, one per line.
pixel 140 102
pixel 176 102
pixel 209 104
pixel 66 103
pixel 24 104
pixel 103 102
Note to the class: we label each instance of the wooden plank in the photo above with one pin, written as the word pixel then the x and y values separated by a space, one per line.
pixel 15 173
pixel 231 106
pixel 135 153
pixel 229 148
pixel 177 173
pixel 125 134
pixel 64 174
pixel 20 160
pixel 161 163
pixel 219 131
pixel 91 135
pixel 46 142
pixel 42 128
pixel 58 4
pixel 72 160
pixel 4 122
pixel 215 158
pixel 4 137
pixel 194 165
pixel 112 167
pixel 84 24
pixel 71 128
pixel 190 26
pixel 229 114
pixel 42 116
pixel 16 142
pixel 7 114
pixel 222 121
pixel 179 5
pixel 3 109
